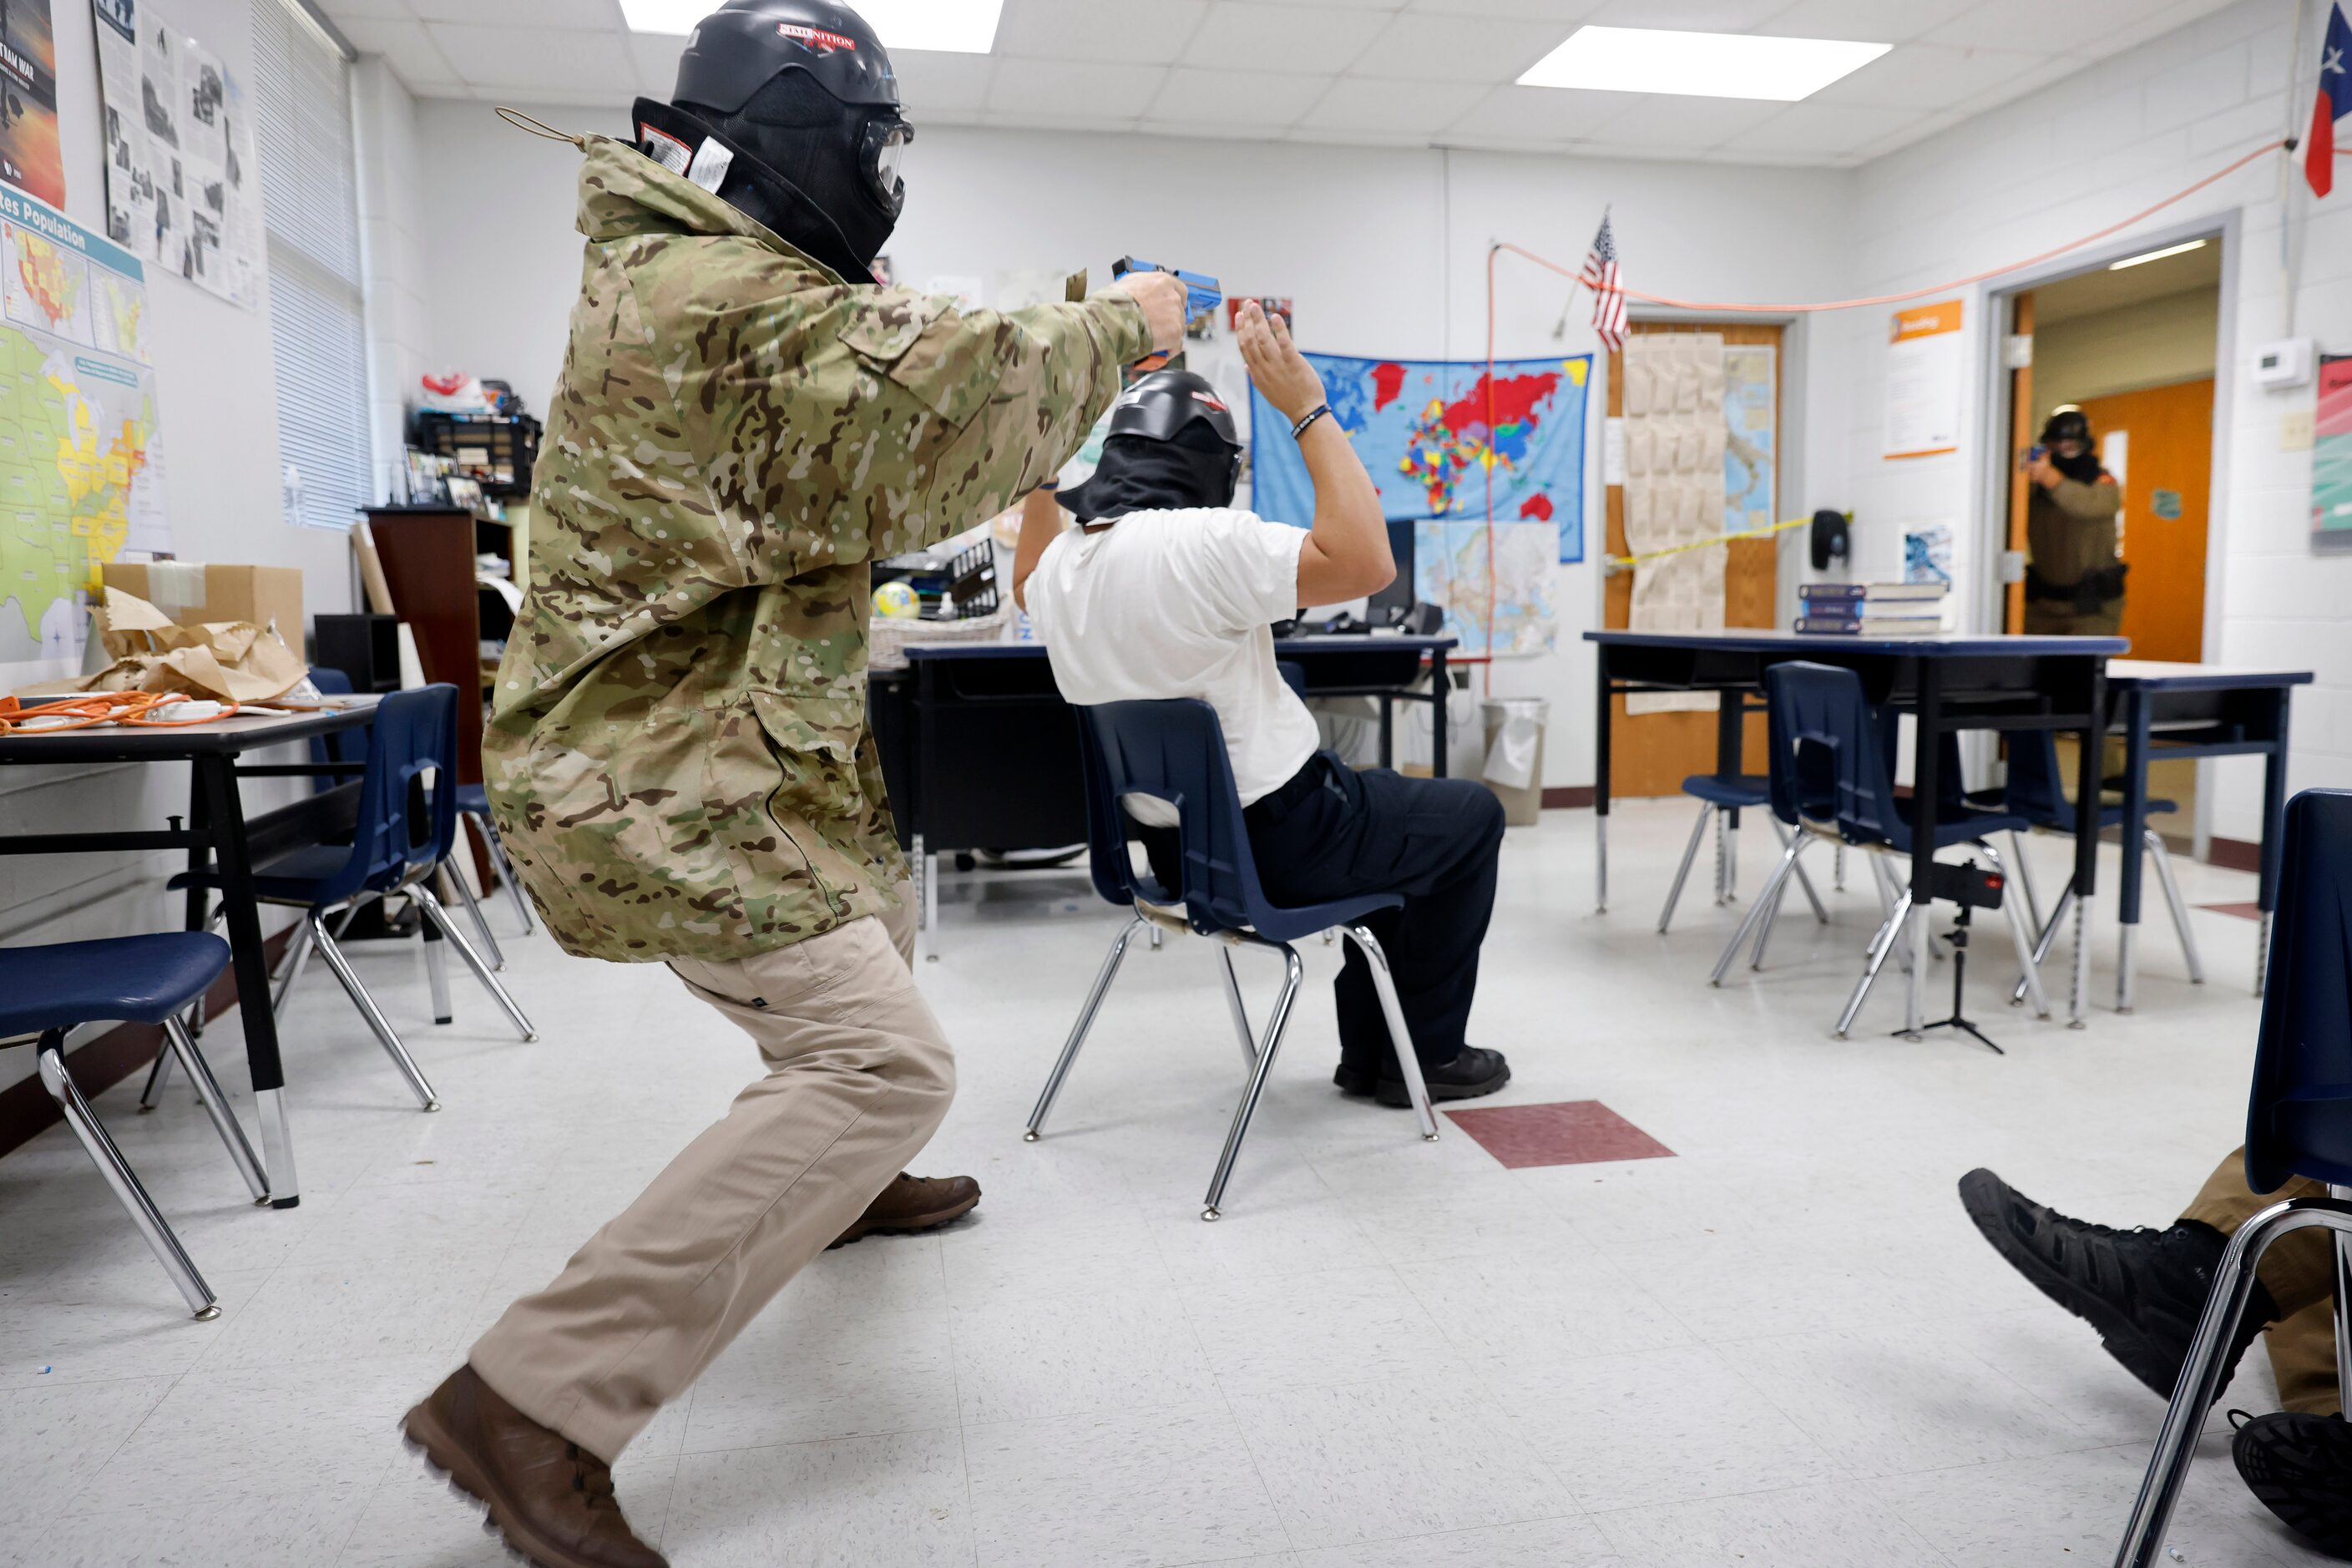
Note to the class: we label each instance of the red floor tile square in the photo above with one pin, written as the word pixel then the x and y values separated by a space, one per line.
pixel 2246 911
pixel 1566 1133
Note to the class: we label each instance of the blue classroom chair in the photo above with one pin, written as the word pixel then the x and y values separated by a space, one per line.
pixel 2299 1123
pixel 404 831
pixel 1164 764
pixel 1830 781
pixel 1719 796
pixel 47 991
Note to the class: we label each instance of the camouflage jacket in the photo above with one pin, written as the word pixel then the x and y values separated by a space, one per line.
pixel 677 752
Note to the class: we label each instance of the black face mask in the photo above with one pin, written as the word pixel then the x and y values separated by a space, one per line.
pixel 2083 469
pixel 805 182
pixel 1196 469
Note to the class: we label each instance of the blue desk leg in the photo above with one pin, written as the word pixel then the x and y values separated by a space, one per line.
pixel 2274 835
pixel 2092 764
pixel 2135 846
pixel 1603 713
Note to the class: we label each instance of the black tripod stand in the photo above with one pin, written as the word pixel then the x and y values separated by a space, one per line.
pixel 1972 889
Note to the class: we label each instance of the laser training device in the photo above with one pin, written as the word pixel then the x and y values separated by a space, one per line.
pixel 1202 293
pixel 1972 889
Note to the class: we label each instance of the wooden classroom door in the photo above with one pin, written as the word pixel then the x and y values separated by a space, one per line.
pixel 2166 455
pixel 1651 754
pixel 2021 431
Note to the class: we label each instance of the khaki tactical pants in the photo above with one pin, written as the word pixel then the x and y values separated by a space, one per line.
pixel 2298 1271
pixel 858 1078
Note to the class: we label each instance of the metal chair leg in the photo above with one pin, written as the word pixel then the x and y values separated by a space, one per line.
pixel 2343 1303
pixel 1400 1036
pixel 1234 1006
pixel 2048 939
pixel 2200 1377
pixel 1682 875
pixel 101 1148
pixel 2022 872
pixel 1837 866
pixel 1277 1023
pixel 376 1022
pixel 1722 861
pixel 1893 929
pixel 2022 935
pixel 1780 896
pixel 439 916
pixel 1103 978
pixel 436 979
pixel 1895 923
pixel 1759 910
pixel 456 876
pixel 1730 858
pixel 159 1078
pixel 489 832
pixel 225 1122
pixel 289 974
pixel 1782 831
pixel 2162 856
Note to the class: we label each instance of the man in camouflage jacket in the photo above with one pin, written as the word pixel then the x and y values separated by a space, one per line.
pixel 678 756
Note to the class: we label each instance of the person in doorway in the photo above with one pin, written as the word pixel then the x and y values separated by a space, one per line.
pixel 2074 577
pixel 678 755
pixel 2145 1289
pixel 1166 590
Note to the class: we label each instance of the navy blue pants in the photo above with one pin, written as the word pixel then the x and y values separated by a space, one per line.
pixel 1334 833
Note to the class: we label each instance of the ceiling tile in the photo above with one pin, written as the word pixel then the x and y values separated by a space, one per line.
pixel 1227 130
pixel 932 83
pixel 1560 12
pixel 1675 124
pixel 1455 49
pixel 527 57
pixel 1870 21
pixel 1236 98
pixel 656 56
pixel 1927 76
pixel 404 46
pixel 1687 15
pixel 1395 108
pixel 1063 90
pixel 1247 37
pixel 2037 26
pixel 1110 34
pixel 574 15
pixel 1537 116
pixel 1830 128
pixel 602 103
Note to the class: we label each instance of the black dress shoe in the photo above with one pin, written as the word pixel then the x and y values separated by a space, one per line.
pixel 1475 1071
pixel 2301 1468
pixel 2142 1290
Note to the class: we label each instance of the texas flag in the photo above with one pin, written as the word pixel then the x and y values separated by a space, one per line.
pixel 2335 103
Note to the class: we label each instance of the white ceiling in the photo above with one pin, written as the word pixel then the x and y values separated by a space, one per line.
pixel 1394 73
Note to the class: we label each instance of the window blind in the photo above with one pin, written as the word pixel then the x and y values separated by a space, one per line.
pixel 316 294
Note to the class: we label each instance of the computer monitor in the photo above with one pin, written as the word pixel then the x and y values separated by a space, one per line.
pixel 1397 596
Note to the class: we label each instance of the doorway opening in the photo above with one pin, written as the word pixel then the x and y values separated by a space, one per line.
pixel 2135 344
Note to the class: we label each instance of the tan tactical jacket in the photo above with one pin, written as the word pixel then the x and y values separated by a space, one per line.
pixel 677 754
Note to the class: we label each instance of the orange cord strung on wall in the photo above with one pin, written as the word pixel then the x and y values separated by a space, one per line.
pixel 141 710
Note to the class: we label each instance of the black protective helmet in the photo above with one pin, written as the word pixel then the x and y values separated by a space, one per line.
pixel 2067 422
pixel 739 50
pixel 1162 403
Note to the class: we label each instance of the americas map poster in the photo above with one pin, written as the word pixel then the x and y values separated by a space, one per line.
pixel 82 471
pixel 1423 429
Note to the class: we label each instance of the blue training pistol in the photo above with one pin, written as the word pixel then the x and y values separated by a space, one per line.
pixel 1205 292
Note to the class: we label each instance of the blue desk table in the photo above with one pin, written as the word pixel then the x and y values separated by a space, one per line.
pixel 1948 683
pixel 2169 713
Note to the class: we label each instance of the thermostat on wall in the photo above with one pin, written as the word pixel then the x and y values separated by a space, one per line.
pixel 2286 362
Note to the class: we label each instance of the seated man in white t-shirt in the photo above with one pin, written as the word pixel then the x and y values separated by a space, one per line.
pixel 1166 590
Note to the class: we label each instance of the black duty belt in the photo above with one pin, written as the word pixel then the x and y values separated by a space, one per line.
pixel 2087 598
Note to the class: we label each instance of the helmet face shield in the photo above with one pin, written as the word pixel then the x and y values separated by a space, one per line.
pixel 884 151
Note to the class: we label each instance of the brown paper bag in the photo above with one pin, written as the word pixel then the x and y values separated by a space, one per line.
pixel 228 661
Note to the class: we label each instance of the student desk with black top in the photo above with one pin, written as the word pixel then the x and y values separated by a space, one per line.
pixel 216 833
pixel 979 752
pixel 1949 682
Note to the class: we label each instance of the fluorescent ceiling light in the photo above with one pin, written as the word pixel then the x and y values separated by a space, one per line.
pixel 1699 65
pixel 2157 255
pixel 951 27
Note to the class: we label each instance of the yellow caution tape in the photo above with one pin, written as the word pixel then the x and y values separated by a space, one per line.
pixel 1619 562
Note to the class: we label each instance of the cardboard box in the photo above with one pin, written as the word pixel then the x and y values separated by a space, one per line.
pixel 195 595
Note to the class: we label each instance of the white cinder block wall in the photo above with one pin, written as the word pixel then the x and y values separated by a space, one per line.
pixel 2073 157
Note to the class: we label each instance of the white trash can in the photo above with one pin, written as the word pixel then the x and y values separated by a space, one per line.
pixel 1514 768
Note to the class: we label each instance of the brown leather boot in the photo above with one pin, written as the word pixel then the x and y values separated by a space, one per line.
pixel 912 1204
pixel 550 1498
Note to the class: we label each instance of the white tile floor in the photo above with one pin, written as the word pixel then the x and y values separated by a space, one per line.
pixel 1784 1346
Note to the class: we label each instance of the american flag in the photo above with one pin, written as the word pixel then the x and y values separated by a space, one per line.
pixel 1608 286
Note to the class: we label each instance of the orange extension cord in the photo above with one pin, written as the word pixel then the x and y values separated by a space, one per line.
pixel 138 709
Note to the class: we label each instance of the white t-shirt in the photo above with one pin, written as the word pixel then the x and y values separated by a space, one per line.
pixel 1181 604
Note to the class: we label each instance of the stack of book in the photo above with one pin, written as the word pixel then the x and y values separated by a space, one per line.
pixel 1874 609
